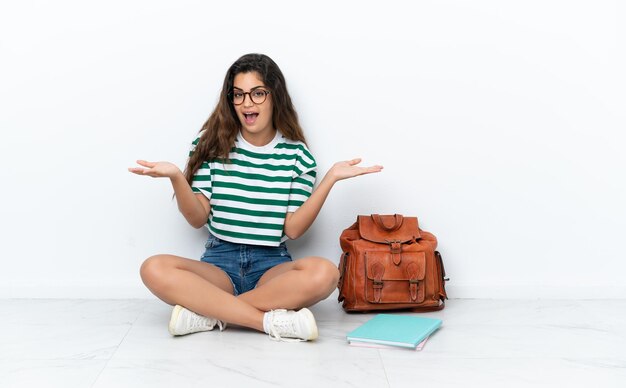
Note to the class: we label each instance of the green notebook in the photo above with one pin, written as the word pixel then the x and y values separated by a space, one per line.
pixel 397 330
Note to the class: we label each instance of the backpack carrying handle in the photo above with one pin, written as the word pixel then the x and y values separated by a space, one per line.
pixel 397 218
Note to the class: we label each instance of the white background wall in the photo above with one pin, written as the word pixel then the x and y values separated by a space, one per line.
pixel 500 124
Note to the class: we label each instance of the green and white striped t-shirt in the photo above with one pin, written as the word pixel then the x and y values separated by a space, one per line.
pixel 251 193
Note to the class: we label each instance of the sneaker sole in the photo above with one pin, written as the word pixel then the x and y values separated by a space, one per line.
pixel 311 322
pixel 172 325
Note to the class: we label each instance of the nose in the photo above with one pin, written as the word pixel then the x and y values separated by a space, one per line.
pixel 247 100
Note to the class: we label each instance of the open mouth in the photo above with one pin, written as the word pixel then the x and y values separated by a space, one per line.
pixel 250 118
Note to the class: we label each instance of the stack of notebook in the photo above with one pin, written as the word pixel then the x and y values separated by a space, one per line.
pixel 389 331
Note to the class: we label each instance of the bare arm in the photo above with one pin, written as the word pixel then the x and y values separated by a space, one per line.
pixel 298 222
pixel 194 207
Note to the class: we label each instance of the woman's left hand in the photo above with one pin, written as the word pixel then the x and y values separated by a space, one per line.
pixel 349 169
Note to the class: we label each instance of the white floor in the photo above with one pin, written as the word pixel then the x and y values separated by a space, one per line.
pixel 486 343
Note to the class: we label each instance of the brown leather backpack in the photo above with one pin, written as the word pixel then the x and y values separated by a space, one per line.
pixel 388 263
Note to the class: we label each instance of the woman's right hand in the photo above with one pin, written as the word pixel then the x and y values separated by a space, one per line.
pixel 156 169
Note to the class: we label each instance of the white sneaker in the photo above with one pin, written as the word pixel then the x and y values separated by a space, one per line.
pixel 184 321
pixel 295 325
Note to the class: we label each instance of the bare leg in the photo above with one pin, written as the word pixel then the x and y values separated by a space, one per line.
pixel 293 285
pixel 200 287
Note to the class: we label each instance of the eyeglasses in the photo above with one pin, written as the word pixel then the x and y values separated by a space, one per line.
pixel 257 96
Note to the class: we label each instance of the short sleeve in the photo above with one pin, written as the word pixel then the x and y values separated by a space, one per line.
pixel 201 181
pixel 305 173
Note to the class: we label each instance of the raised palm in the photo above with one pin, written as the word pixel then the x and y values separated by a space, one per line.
pixel 155 169
pixel 348 169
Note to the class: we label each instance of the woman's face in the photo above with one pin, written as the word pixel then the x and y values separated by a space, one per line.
pixel 255 114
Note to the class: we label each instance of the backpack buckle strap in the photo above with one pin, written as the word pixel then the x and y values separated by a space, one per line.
pixel 411 271
pixel 377 271
pixel 395 246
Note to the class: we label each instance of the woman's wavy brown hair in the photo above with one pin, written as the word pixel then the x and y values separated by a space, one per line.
pixel 221 128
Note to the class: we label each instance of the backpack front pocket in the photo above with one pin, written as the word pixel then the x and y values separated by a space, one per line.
pixel 390 280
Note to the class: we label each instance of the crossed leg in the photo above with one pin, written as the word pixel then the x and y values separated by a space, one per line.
pixel 293 285
pixel 207 290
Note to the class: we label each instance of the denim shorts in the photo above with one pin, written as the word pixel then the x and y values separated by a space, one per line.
pixel 243 263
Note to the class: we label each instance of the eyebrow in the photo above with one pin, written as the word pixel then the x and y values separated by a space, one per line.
pixel 256 87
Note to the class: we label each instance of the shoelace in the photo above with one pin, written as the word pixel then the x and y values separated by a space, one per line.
pixel 199 322
pixel 284 325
